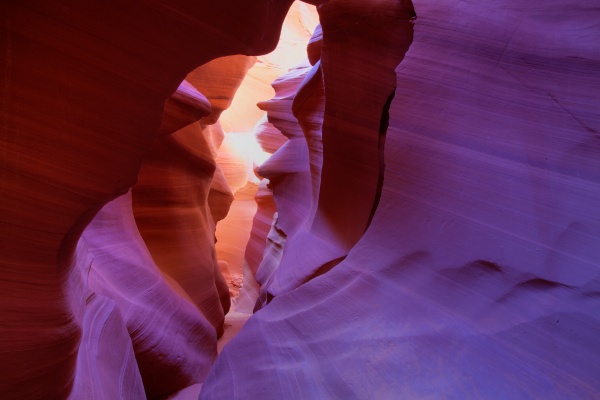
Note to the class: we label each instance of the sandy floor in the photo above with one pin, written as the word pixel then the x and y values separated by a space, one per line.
pixel 234 321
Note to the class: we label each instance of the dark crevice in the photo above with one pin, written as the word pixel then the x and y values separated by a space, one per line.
pixel 323 269
pixel 383 126
pixel 542 284
pixel 485 265
pixel 265 297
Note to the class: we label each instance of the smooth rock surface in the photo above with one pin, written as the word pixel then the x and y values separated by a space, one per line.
pixel 84 86
pixel 438 243
pixel 478 275
pixel 172 198
pixel 121 276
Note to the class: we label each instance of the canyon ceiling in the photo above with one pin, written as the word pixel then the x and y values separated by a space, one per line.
pixel 427 225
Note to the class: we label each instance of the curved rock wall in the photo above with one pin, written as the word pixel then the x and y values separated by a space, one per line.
pixel 83 91
pixel 319 194
pixel 129 303
pixel 478 275
pixel 171 200
pixel 437 198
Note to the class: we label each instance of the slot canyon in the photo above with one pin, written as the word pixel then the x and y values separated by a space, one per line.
pixel 318 199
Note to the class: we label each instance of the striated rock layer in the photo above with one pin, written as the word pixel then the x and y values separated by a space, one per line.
pixel 172 198
pixel 84 86
pixel 129 304
pixel 437 197
pixel 477 275
pixel 345 125
pixel 244 120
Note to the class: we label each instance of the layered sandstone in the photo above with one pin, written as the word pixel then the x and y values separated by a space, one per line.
pixel 427 226
pixel 83 93
pixel 477 274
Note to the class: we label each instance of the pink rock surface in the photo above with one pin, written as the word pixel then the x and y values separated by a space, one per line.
pixel 219 80
pixel 149 311
pixel 129 313
pixel 186 105
pixel 479 274
pixel 220 195
pixel 288 167
pixel 269 137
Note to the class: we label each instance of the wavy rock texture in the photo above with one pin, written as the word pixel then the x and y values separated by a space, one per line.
pixel 478 274
pixel 84 88
pixel 171 199
pixel 170 203
pixel 288 174
pixel 244 119
pixel 232 233
pixel 460 260
pixel 352 135
pixel 270 140
pixel 236 231
pixel 297 27
pixel 127 289
pixel 261 225
pixel 126 308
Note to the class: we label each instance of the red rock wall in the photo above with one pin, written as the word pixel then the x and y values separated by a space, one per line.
pixel 83 91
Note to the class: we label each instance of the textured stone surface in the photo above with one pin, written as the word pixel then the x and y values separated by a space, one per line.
pixel 356 71
pixel 244 117
pixel 233 234
pixel 122 277
pixel 170 203
pixel 261 224
pixel 171 200
pixel 83 90
pixel 453 254
pixel 478 276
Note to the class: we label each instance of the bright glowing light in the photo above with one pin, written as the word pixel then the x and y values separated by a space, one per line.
pixel 243 145
pixel 239 120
